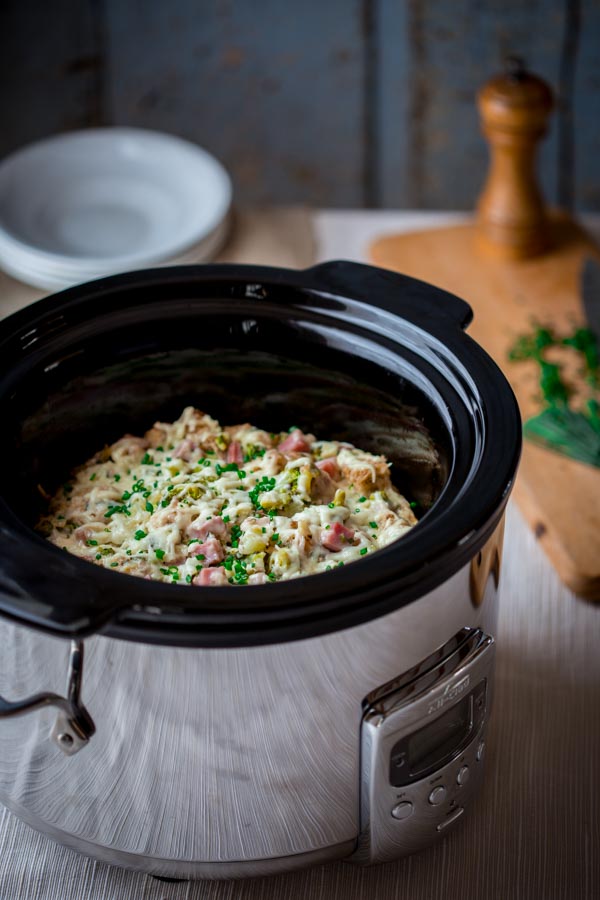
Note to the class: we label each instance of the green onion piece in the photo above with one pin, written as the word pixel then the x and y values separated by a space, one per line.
pixel 160 554
pixel 139 535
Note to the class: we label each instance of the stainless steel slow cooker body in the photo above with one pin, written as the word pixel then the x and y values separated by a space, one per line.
pixel 237 731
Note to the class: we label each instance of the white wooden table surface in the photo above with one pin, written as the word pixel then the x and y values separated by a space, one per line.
pixel 534 831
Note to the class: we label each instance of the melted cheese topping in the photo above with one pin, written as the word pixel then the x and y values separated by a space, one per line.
pixel 194 502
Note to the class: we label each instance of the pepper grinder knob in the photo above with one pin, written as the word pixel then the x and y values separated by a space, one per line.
pixel 514 110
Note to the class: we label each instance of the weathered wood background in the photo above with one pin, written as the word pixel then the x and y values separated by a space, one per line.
pixel 330 102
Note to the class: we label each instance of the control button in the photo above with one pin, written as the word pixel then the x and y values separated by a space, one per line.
pixel 402 810
pixel 438 795
pixel 451 818
pixel 463 775
pixel 480 751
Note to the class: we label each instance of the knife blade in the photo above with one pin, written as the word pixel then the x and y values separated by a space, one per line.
pixel 590 295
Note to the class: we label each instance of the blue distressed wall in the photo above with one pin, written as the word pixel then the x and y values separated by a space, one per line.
pixel 329 102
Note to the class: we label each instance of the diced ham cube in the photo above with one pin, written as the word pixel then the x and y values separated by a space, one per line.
pixel 201 527
pixel 330 467
pixel 185 449
pixel 336 537
pixel 211 550
pixel 234 453
pixel 295 443
pixel 257 578
pixel 83 534
pixel 210 577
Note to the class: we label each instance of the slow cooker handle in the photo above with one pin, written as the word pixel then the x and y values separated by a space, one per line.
pixel 414 300
pixel 74 726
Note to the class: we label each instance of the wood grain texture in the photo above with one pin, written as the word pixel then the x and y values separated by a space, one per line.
pixel 442 53
pixel 533 833
pixel 51 66
pixel 586 108
pixel 560 497
pixel 360 103
pixel 260 86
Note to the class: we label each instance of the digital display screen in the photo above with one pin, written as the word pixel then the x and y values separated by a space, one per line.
pixel 436 741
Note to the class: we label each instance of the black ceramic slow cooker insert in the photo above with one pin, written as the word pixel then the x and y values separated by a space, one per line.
pixel 338 350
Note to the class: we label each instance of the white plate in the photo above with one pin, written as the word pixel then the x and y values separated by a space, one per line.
pixel 202 252
pixel 93 202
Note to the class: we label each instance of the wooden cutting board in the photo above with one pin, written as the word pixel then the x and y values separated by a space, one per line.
pixel 560 497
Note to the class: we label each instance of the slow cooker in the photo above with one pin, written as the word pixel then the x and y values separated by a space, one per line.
pixel 224 732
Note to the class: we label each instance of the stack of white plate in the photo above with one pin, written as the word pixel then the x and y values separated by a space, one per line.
pixel 91 203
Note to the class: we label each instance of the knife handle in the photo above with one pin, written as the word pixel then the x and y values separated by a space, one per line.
pixel 514 110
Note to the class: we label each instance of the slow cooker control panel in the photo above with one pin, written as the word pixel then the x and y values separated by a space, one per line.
pixel 422 752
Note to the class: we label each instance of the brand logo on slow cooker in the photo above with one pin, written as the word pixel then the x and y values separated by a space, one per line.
pixel 451 692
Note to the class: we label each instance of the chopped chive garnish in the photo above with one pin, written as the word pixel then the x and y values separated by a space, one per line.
pixel 160 554
pixel 200 556
pixel 362 499
pixel 149 507
pixel 139 535
pixel 188 579
pixel 114 565
pixel 92 476
pixel 373 524
pixel 117 477
pixel 363 551
pixel 147 460
pixel 116 509
pixel 98 556
pixel 92 543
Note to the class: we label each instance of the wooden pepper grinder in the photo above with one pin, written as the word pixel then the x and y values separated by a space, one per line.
pixel 514 110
